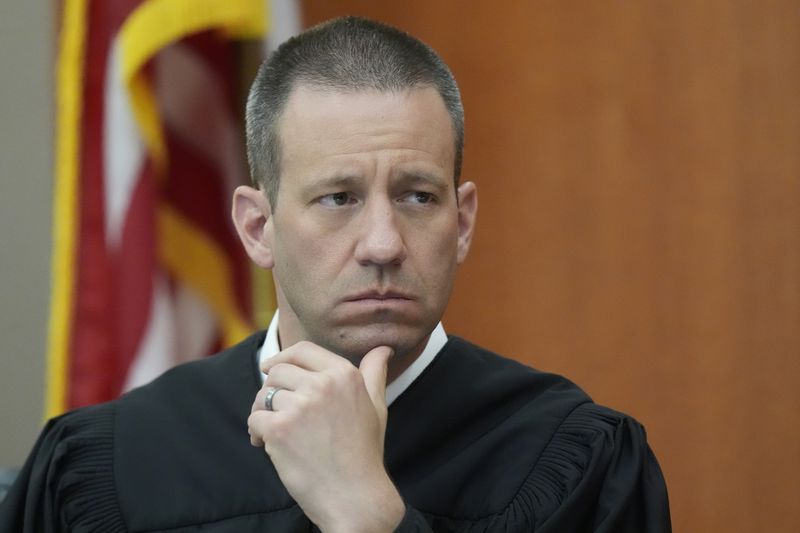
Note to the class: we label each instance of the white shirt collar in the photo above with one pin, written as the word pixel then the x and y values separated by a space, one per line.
pixel 436 342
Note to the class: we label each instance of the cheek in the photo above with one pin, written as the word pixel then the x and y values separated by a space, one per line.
pixel 302 261
pixel 436 251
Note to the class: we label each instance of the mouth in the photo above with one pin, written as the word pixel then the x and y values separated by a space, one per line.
pixel 378 296
pixel 380 306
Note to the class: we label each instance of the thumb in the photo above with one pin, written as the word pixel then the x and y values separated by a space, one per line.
pixel 373 369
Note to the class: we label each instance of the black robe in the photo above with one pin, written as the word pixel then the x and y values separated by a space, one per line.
pixel 476 443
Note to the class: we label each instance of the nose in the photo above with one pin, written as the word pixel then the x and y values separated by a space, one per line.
pixel 380 239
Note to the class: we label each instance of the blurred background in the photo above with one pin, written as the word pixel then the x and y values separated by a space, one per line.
pixel 638 168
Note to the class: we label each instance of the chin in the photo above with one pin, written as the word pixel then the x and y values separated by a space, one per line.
pixel 353 343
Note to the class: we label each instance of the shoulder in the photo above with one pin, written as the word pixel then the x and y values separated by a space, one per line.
pixel 68 477
pixel 599 473
pixel 473 372
pixel 183 439
pixel 472 386
pixel 209 378
pixel 117 463
pixel 545 450
pixel 187 399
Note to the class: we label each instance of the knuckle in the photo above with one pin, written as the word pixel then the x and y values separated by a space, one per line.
pixel 276 371
pixel 302 403
pixel 281 429
pixel 305 345
pixel 300 409
pixel 325 384
pixel 349 375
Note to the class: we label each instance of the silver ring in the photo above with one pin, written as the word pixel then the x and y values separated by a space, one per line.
pixel 269 397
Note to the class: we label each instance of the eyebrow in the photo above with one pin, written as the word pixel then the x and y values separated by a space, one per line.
pixel 423 177
pixel 337 181
pixel 350 181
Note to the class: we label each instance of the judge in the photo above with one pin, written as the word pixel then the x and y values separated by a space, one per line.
pixel 362 413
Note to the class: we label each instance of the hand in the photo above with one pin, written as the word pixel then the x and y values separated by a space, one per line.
pixel 325 436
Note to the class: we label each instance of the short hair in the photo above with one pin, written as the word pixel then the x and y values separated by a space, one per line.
pixel 345 54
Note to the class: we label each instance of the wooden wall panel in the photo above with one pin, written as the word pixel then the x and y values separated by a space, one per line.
pixel 638 171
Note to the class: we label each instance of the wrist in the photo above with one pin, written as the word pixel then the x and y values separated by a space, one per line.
pixel 379 510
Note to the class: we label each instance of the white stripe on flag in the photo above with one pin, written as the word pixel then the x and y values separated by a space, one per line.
pixel 123 149
pixel 154 355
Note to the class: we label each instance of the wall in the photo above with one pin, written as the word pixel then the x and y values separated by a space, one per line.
pixel 26 41
pixel 638 167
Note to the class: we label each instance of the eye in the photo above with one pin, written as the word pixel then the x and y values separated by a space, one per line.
pixel 420 197
pixel 337 199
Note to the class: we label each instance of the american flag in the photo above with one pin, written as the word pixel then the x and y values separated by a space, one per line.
pixel 147 271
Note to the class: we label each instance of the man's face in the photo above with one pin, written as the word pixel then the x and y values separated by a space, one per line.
pixel 367 231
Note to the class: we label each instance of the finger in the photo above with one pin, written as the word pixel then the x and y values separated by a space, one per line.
pixel 281 399
pixel 306 355
pixel 255 440
pixel 257 423
pixel 289 376
pixel 373 369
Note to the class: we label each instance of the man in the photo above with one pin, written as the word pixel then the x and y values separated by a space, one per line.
pixel 355 136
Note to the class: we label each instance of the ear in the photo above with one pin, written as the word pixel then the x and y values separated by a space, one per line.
pixel 252 217
pixel 467 212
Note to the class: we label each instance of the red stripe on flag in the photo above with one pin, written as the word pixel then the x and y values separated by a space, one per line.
pixel 135 265
pixel 92 342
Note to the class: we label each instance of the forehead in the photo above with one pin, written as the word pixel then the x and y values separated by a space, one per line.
pixel 319 123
